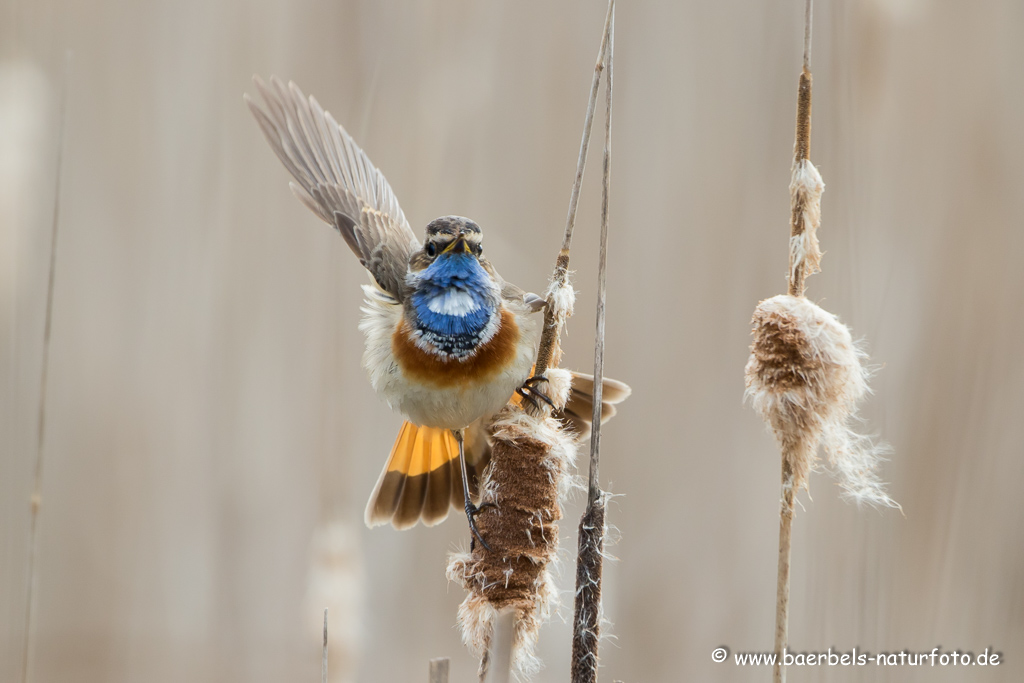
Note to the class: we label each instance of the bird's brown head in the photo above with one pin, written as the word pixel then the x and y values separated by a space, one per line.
pixel 445 235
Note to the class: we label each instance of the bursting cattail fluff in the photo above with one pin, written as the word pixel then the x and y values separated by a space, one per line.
pixel 805 189
pixel 805 378
pixel 528 476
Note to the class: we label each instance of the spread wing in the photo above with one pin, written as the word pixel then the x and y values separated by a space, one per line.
pixel 337 181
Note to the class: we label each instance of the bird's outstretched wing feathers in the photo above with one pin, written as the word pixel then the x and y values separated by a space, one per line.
pixel 337 181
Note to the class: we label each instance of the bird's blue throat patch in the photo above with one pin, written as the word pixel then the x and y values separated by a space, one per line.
pixel 454 306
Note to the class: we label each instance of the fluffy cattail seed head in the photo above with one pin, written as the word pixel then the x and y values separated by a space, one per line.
pixel 805 377
pixel 528 476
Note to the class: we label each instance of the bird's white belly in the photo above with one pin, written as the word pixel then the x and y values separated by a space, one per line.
pixel 447 394
pixel 453 408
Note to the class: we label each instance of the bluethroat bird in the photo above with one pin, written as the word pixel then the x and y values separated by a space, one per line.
pixel 448 341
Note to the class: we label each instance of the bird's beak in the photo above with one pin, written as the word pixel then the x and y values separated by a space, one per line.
pixel 459 246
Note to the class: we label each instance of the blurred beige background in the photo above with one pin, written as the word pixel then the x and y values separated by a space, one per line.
pixel 207 412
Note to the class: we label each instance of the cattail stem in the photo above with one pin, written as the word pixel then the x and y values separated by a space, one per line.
pixel 808 20
pixel 552 323
pixel 801 153
pixel 797 280
pixel 590 555
pixel 37 483
pixel 499 655
pixel 785 547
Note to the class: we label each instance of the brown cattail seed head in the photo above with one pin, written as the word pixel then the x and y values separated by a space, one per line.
pixel 805 377
pixel 527 478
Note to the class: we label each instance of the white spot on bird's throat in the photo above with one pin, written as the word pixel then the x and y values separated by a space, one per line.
pixel 453 302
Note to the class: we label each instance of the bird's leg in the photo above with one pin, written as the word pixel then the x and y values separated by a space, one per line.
pixel 471 510
pixel 530 386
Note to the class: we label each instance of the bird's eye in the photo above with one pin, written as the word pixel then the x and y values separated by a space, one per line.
pixel 431 249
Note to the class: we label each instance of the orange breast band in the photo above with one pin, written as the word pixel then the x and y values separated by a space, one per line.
pixel 489 360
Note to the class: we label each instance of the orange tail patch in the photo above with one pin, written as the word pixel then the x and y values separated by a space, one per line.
pixel 421 480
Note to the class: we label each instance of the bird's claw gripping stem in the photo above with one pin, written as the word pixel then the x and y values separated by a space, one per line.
pixel 530 386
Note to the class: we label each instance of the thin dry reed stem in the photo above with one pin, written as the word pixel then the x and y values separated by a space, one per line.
pixel 552 320
pixel 439 670
pixel 37 483
pixel 594 489
pixel 499 655
pixel 590 553
pixel 323 661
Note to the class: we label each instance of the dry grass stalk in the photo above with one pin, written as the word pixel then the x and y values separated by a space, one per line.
pixel 528 476
pixel 805 375
pixel 37 482
pixel 587 609
pixel 323 658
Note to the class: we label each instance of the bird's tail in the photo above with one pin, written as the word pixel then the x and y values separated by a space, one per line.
pixel 421 479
